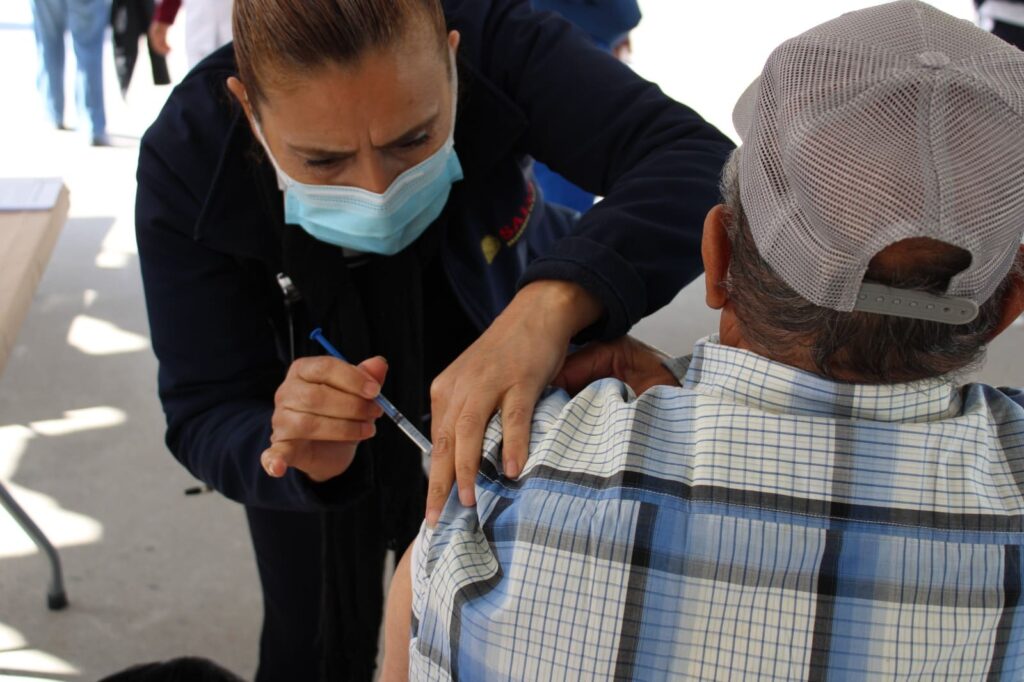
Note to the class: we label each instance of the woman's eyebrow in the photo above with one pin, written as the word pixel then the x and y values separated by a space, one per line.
pixel 409 135
pixel 341 154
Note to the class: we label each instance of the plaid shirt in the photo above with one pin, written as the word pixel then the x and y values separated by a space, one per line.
pixel 758 523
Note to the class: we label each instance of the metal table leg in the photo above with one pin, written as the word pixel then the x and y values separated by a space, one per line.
pixel 56 597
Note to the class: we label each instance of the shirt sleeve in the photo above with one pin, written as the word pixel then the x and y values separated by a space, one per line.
pixel 419 576
pixel 167 11
pixel 594 121
pixel 473 571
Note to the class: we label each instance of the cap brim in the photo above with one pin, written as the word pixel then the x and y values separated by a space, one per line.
pixel 746 108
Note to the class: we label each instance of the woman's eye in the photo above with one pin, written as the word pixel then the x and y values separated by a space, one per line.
pixel 418 142
pixel 322 163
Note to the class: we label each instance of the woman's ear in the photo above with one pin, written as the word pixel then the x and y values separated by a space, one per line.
pixel 453 40
pixel 238 90
pixel 716 250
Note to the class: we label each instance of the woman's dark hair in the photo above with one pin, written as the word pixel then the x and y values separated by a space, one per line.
pixel 282 36
pixel 868 347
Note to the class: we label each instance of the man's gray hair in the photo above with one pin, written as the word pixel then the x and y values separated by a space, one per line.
pixel 864 347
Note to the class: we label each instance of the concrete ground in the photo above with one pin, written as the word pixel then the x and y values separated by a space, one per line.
pixel 152 573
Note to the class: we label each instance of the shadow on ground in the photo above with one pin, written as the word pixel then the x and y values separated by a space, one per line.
pixel 150 573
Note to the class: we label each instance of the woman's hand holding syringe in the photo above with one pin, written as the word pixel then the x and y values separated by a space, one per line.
pixel 323 409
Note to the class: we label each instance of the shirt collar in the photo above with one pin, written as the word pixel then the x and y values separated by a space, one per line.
pixel 744 377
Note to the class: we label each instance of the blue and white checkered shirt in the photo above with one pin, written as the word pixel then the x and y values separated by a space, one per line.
pixel 758 523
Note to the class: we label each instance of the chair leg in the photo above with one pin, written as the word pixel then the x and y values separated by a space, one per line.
pixel 56 598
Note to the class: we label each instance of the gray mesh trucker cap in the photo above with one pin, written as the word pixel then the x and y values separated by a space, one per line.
pixel 888 123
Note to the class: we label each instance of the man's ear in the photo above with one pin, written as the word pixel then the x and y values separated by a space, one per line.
pixel 716 250
pixel 1013 300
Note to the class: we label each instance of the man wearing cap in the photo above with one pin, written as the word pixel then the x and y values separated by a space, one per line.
pixel 816 496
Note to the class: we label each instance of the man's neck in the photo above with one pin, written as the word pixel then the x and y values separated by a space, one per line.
pixel 796 354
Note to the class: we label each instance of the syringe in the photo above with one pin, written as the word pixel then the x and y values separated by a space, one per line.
pixel 390 410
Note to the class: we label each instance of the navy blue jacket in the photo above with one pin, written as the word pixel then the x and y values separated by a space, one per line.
pixel 530 85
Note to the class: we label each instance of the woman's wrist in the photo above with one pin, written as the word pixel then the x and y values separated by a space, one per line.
pixel 566 305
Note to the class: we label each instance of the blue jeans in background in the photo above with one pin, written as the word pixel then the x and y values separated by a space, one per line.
pixel 87 20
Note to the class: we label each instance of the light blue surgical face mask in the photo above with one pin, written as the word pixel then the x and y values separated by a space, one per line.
pixel 365 221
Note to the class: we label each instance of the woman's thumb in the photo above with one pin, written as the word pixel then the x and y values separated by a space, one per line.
pixel 376 367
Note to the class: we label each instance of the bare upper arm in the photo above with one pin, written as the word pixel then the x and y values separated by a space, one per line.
pixel 398 622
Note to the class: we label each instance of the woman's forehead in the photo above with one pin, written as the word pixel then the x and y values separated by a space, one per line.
pixel 415 56
pixel 382 95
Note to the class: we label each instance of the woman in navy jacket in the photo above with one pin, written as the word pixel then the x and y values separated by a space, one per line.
pixel 262 185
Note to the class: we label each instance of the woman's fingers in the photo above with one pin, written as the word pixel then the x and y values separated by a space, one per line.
pixel 376 368
pixel 327 399
pixel 442 456
pixel 319 460
pixel 290 425
pixel 335 374
pixel 470 425
pixel 442 476
pixel 323 409
pixel 516 415
pixel 324 401
pixel 507 367
pixel 458 436
pixel 277 458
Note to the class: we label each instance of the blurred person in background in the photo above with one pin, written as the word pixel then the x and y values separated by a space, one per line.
pixel 207 27
pixel 607 23
pixel 87 21
pixel 130 21
pixel 1005 18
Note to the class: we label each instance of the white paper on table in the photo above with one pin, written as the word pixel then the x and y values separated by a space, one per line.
pixel 29 194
